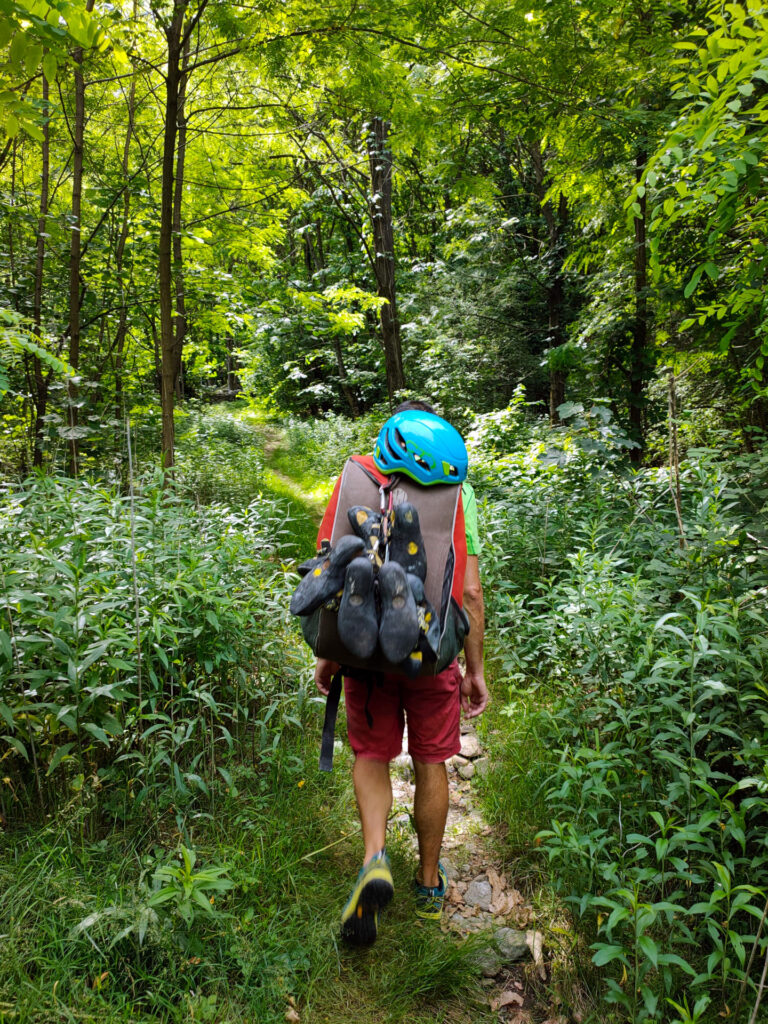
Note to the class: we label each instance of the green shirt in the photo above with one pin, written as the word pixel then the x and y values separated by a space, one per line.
pixel 470 518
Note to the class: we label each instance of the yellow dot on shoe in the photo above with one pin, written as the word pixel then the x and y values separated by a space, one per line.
pixel 318 571
pixel 428 617
pixel 361 516
pixel 359 910
pixel 413 548
pixel 416 656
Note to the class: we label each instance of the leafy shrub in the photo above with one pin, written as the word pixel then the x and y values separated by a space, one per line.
pixel 647 653
pixel 138 646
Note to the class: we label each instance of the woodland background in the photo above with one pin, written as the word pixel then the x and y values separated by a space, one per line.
pixel 230 237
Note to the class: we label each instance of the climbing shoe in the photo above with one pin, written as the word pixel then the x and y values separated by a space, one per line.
pixel 357 624
pixel 326 578
pixel 430 900
pixel 406 545
pixel 312 563
pixel 399 621
pixel 429 623
pixel 372 893
pixel 367 525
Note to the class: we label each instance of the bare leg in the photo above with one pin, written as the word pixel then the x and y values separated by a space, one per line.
pixel 373 792
pixel 430 811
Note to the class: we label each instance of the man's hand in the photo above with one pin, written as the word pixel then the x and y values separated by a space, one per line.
pixel 474 694
pixel 325 670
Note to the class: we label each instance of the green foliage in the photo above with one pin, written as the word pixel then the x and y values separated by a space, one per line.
pixel 647 655
pixel 138 644
pixel 709 173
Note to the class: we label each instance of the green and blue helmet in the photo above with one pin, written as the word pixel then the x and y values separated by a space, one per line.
pixel 423 446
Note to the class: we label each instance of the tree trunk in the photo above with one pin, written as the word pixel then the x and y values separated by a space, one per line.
pixel 41 379
pixel 380 159
pixel 74 249
pixel 122 324
pixel 168 353
pixel 180 322
pixel 639 355
pixel 555 286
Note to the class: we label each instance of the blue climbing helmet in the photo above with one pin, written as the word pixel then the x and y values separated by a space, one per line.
pixel 422 446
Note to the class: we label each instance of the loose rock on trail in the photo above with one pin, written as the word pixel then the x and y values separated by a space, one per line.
pixel 481 898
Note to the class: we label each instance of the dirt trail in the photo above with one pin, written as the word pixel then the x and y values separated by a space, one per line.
pixel 481 897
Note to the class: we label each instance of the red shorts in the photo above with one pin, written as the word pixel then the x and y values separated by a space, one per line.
pixel 432 705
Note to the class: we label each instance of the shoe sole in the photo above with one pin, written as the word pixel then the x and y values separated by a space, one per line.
pixel 359 925
pixel 399 624
pixel 357 624
pixel 327 578
pixel 407 545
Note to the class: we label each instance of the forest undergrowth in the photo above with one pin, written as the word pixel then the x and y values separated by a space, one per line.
pixel 169 850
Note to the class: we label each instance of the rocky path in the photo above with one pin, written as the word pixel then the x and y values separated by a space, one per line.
pixel 482 899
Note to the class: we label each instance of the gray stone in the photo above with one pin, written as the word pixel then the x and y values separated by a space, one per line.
pixel 481 766
pixel 511 944
pixel 470 745
pixel 489 962
pixel 457 761
pixel 479 894
pixel 450 869
pixel 466 771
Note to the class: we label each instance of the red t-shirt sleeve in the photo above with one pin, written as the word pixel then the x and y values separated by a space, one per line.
pixel 326 526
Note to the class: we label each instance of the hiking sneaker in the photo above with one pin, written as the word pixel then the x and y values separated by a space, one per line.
pixel 372 893
pixel 430 900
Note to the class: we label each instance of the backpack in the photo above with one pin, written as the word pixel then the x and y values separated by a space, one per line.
pixel 441 516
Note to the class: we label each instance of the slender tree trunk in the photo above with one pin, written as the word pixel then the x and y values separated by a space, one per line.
pixel 168 355
pixel 74 249
pixel 180 322
pixel 555 285
pixel 639 356
pixel 380 159
pixel 233 381
pixel 346 390
pixel 41 379
pixel 122 323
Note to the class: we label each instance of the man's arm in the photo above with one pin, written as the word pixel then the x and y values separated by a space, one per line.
pixel 325 670
pixel 474 692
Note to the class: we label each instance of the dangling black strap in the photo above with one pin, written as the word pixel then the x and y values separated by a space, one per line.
pixel 329 725
pixel 370 682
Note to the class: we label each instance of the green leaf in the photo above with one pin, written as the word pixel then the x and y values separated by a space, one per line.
pixel 50 67
pixel 18 47
pixel 692 285
pixel 649 948
pixel 97 732
pixel 32 59
pixel 59 754
pixel 17 745
pixel 606 954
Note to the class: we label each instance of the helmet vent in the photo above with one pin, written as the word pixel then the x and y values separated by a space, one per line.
pixel 400 440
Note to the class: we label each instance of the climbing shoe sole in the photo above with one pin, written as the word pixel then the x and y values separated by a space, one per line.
pixel 357 624
pixel 399 621
pixel 326 579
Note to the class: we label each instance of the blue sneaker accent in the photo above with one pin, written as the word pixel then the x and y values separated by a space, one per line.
pixel 430 899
